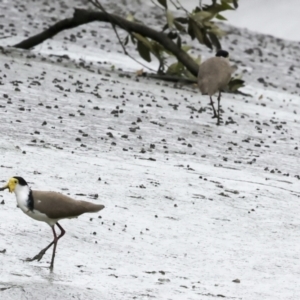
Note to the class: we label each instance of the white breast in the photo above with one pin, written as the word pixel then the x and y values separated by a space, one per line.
pixel 22 195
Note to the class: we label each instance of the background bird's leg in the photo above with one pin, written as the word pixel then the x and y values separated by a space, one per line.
pixel 212 104
pixel 39 256
pixel 219 99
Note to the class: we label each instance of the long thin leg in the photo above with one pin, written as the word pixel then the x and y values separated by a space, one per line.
pixel 55 242
pixel 219 99
pixel 212 104
pixel 39 256
pixel 54 247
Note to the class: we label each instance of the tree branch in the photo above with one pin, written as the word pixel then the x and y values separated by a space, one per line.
pixel 97 4
pixel 82 16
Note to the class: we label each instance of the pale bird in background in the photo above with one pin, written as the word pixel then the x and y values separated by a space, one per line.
pixel 213 76
pixel 49 207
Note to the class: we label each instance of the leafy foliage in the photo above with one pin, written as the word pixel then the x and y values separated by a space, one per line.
pixel 198 24
pixel 234 84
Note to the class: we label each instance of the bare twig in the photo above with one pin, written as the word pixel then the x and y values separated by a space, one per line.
pixel 180 6
pixel 177 7
pixel 97 4
pixel 157 5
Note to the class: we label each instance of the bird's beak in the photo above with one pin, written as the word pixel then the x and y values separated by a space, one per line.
pixel 4 188
pixel 11 185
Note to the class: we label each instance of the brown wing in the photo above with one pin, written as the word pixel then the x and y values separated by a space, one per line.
pixel 214 74
pixel 59 206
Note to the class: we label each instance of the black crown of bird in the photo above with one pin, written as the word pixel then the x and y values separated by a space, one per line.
pixel 222 53
pixel 49 207
pixel 213 76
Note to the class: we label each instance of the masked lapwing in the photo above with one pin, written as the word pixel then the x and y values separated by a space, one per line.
pixel 49 207
pixel 213 76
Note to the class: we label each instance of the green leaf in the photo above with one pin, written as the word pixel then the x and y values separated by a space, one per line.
pixel 144 47
pixel 166 26
pixel 206 40
pixel 142 39
pixel 175 69
pixel 186 48
pixel 197 9
pixel 170 18
pixel 179 42
pixel 235 84
pixel 217 31
pixel 191 31
pixel 144 51
pixel 215 9
pixel 235 3
pixel 220 17
pixel 188 74
pixel 225 6
pixel 182 20
pixel 197 59
pixel 126 40
pixel 130 17
pixel 157 48
pixel 214 40
pixel 163 3
pixel 179 27
pixel 198 33
pixel 203 16
pixel 172 69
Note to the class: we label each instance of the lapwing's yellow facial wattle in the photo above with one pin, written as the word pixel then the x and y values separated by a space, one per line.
pixel 12 184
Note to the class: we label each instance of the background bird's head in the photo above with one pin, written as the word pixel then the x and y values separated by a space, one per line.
pixel 222 53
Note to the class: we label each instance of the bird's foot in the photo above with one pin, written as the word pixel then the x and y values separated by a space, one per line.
pixel 38 257
pixel 51 267
pixel 219 121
